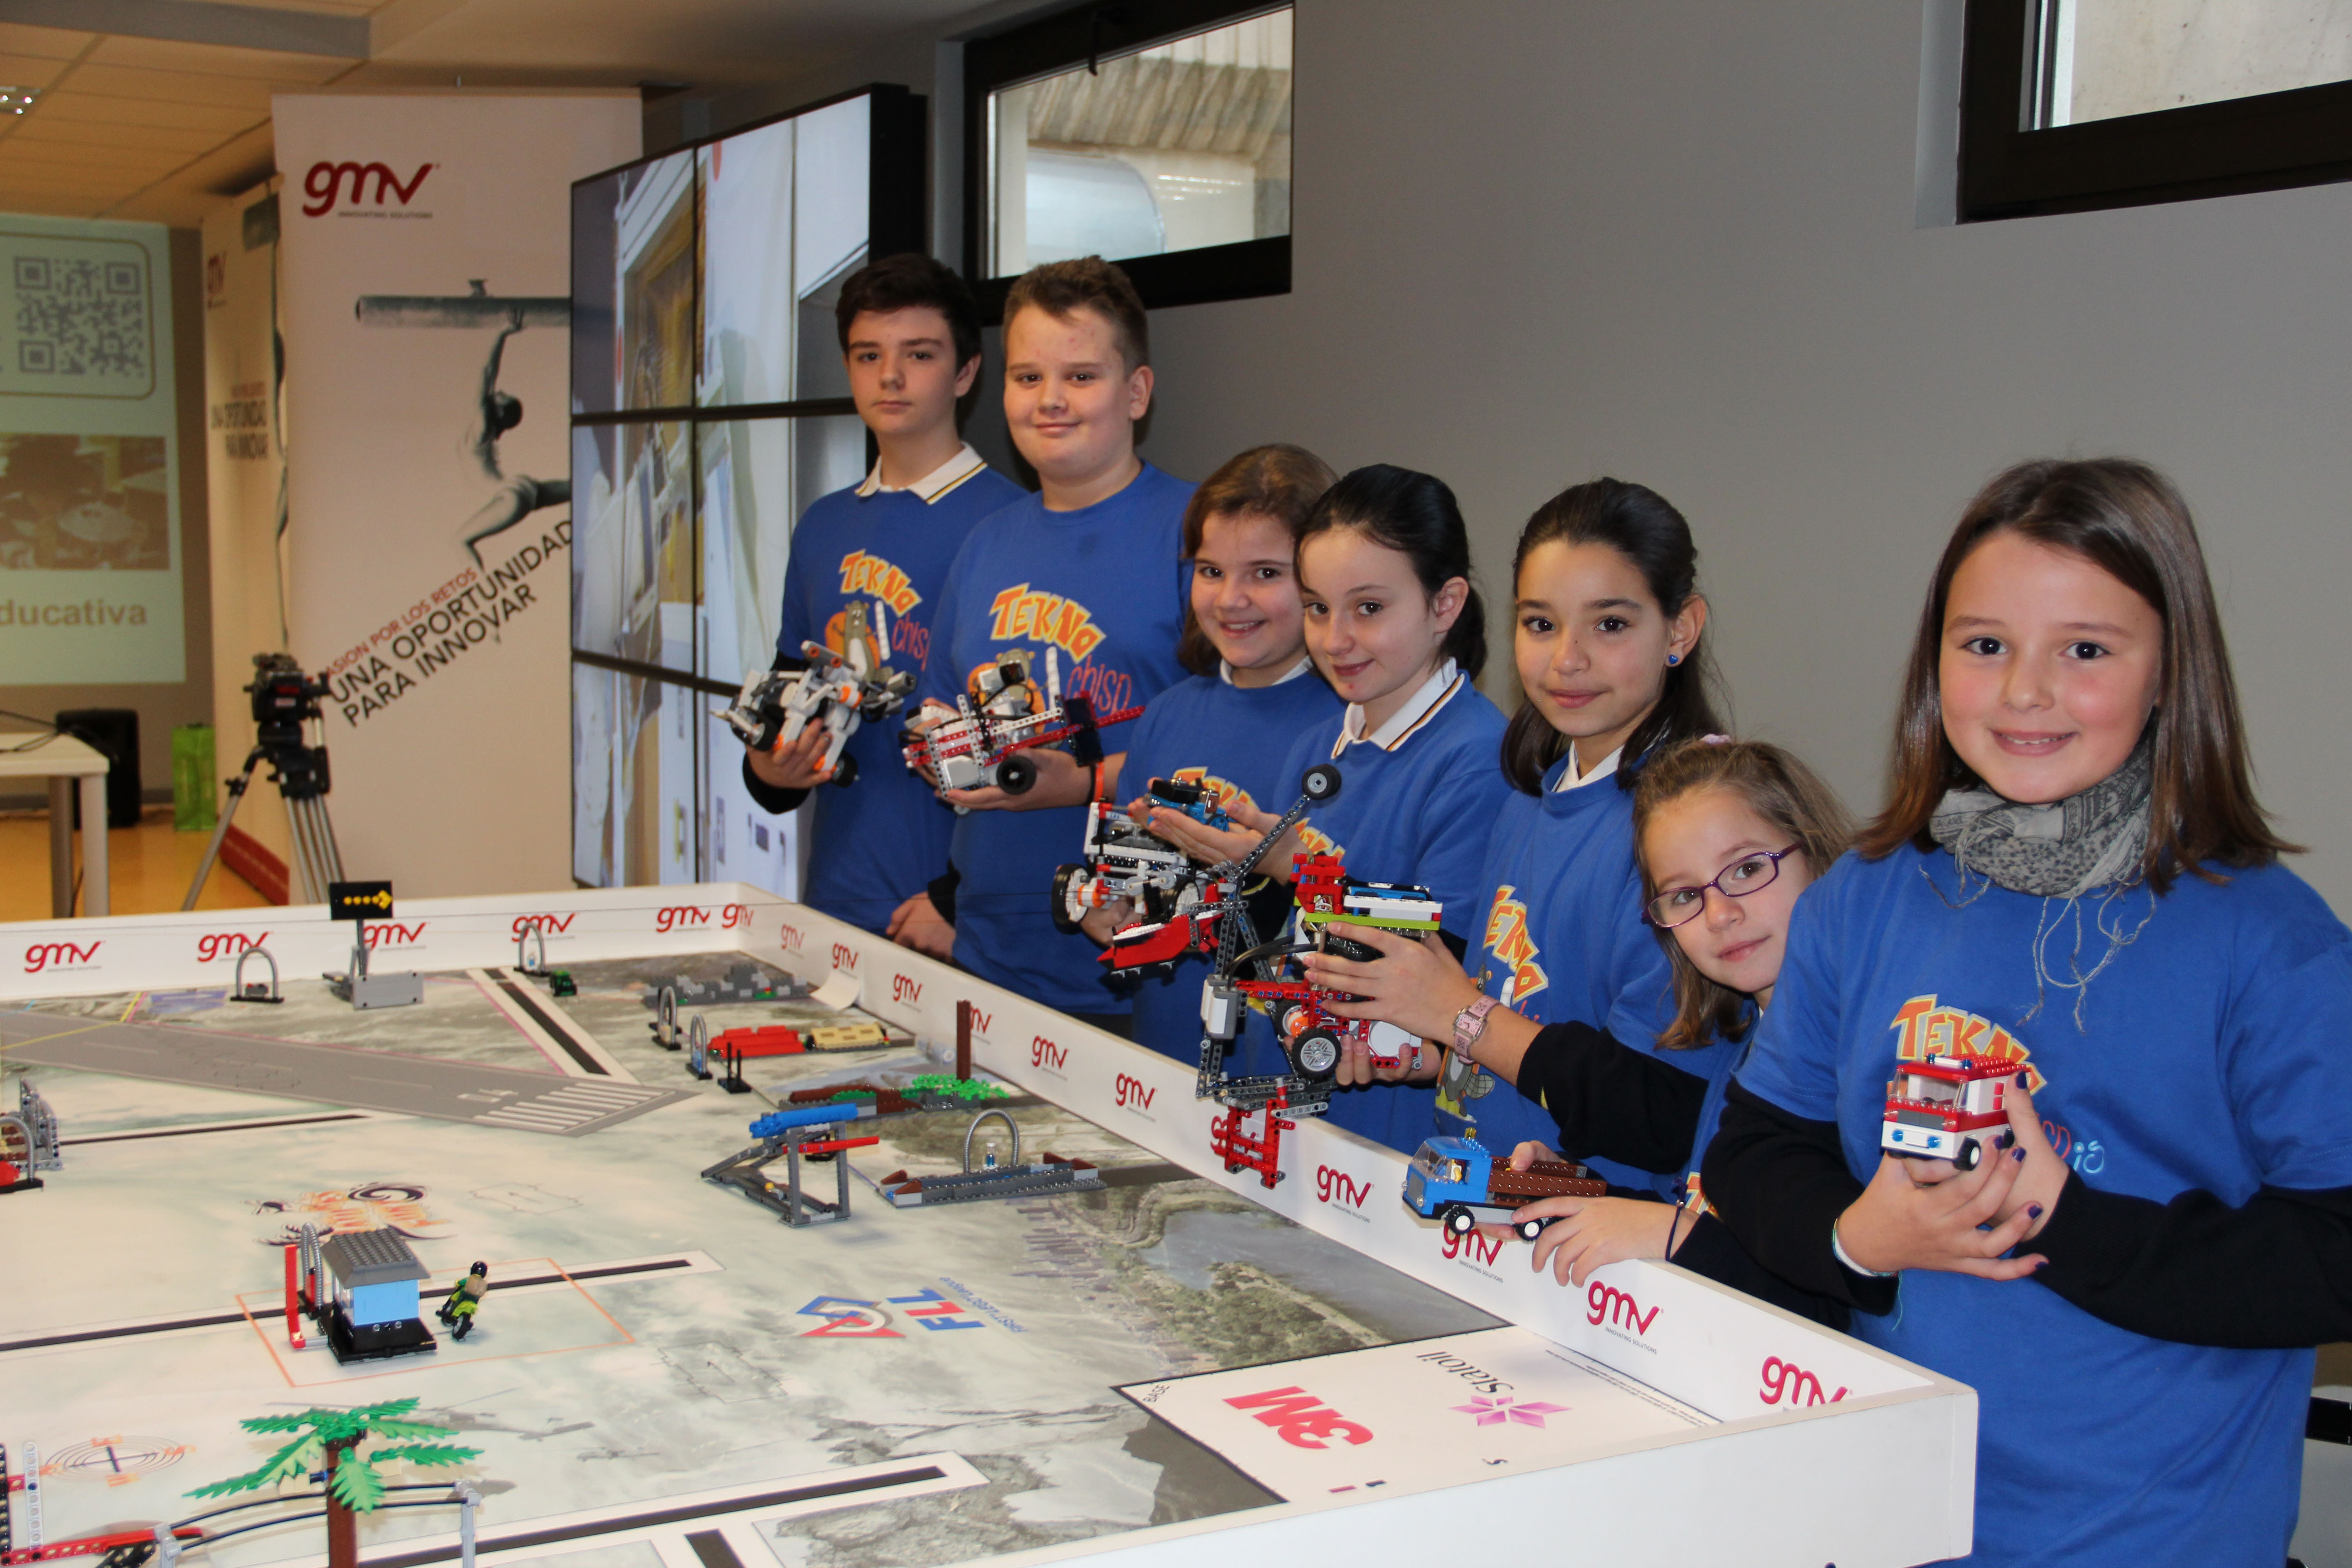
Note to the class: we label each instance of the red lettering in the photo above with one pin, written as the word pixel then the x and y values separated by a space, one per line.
pixel 790 937
pixel 906 988
pixel 323 196
pixel 845 957
pixel 1044 1052
pixel 1338 1187
pixel 549 924
pixel 1786 1380
pixel 226 944
pixel 1130 1092
pixel 1469 1247
pixel 62 954
pixel 1619 1309
pixel 1301 1418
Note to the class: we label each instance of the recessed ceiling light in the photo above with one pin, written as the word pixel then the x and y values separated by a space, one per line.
pixel 17 100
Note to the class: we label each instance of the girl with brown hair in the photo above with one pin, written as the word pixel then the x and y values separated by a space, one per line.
pixel 2074 876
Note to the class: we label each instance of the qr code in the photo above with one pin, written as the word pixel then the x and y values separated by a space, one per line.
pixel 81 317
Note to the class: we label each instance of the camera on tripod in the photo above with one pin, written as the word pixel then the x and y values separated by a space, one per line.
pixel 283 699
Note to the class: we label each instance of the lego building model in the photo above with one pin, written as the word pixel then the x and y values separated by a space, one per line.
pixel 1451 1178
pixel 1946 1107
pixel 368 1303
pixel 838 690
pixel 981 745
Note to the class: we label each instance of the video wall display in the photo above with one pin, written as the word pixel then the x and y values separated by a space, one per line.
pixel 709 407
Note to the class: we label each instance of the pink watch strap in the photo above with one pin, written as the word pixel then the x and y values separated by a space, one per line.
pixel 1471 1022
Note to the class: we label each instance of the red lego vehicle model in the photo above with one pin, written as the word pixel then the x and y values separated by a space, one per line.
pixel 981 745
pixel 1947 1108
pixel 1125 859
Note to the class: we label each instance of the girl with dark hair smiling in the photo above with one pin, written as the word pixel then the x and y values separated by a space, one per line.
pixel 2074 874
pixel 1608 642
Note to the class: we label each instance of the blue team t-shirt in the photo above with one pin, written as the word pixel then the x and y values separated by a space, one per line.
pixel 2209 1055
pixel 880 840
pixel 1417 811
pixel 1233 741
pixel 1563 942
pixel 1105 587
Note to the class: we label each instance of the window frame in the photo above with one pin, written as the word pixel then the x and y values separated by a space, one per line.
pixel 2269 141
pixel 1249 270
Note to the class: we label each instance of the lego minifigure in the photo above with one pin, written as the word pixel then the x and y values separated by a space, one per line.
pixel 464 1300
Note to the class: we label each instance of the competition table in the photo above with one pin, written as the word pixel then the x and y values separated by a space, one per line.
pixel 61 761
pixel 1186 1368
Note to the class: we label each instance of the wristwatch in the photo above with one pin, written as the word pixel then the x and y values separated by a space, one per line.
pixel 1471 1022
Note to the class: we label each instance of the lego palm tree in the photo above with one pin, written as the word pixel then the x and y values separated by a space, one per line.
pixel 329 1441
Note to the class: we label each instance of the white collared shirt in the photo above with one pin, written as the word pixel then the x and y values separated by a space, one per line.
pixel 1427 698
pixel 1226 672
pixel 1601 769
pixel 933 485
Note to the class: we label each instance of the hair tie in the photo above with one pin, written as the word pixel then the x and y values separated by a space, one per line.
pixel 1715 740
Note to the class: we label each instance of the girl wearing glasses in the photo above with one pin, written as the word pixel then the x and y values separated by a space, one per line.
pixel 2073 873
pixel 1609 621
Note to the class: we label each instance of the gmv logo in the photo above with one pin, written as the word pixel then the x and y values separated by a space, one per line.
pixel 733 915
pixel 677 915
pixel 791 937
pixel 324 184
pixel 906 988
pixel 1614 1307
pixel 1471 1248
pixel 226 944
pixel 1044 1052
pixel 1130 1092
pixel 1300 1419
pixel 1338 1187
pixel 549 925
pixel 845 957
pixel 1786 1380
pixel 58 955
pixel 384 933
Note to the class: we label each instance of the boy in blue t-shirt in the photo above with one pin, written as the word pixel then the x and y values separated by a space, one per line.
pixel 1091 568
pixel 910 335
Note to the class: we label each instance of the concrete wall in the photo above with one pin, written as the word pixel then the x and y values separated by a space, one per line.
pixel 1683 242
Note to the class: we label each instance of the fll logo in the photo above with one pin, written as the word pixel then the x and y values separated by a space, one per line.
pixel 1786 1380
pixel 1508 940
pixel 845 957
pixel 43 956
pixel 864 574
pixel 849 1319
pixel 1925 1030
pixel 548 925
pixel 227 944
pixel 1044 1052
pixel 1300 1419
pixel 1132 1093
pixel 1338 1187
pixel 324 184
pixel 1471 1248
pixel 1049 617
pixel 1617 1309
pixel 390 933
pixel 906 988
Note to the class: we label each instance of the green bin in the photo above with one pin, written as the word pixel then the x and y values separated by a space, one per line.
pixel 195 791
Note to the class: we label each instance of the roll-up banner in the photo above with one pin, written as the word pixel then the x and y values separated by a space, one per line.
pixel 426 274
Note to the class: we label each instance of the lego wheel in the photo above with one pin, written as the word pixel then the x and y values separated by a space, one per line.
pixel 844 771
pixel 1315 1054
pixel 1529 1229
pixel 1457 1218
pixel 1016 774
pixel 1320 782
pixel 465 1326
pixel 1065 882
pixel 1970 1152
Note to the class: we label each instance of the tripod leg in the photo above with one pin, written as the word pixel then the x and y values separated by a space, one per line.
pixel 237 788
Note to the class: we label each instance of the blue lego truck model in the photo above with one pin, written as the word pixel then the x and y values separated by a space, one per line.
pixel 1451 1179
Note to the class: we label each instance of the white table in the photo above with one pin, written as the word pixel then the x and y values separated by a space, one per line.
pixel 62 760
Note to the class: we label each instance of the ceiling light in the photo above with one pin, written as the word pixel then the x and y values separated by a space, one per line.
pixel 17 100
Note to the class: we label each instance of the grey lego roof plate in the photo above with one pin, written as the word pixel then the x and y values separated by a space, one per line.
pixel 379 1257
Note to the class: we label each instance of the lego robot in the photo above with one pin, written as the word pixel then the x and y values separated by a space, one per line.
pixel 982 746
pixel 838 690
pixel 1450 1178
pixel 1124 859
pixel 1947 1108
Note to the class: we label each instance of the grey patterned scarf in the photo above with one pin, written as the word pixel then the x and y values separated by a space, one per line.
pixel 2085 843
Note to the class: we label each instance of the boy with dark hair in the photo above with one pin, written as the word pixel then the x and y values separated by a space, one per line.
pixel 1090 567
pixel 910 336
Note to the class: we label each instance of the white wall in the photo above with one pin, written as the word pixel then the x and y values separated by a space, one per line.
pixel 1676 242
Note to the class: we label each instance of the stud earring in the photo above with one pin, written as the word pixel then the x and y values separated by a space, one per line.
pixel 1672 659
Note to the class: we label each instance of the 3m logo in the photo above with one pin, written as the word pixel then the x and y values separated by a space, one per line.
pixel 548 925
pixel 1786 1380
pixel 791 938
pixel 906 988
pixel 1338 1187
pixel 227 944
pixel 845 957
pixel 1471 1248
pixel 1044 1052
pixel 324 184
pixel 1614 1307
pixel 1130 1092
pixel 58 955
pixel 864 574
pixel 677 916
pixel 387 933
pixel 1301 1420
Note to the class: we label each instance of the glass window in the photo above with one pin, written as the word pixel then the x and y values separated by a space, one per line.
pixel 2103 58
pixel 1176 147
